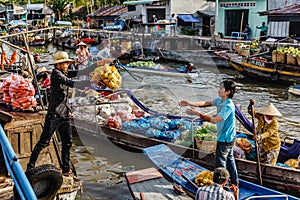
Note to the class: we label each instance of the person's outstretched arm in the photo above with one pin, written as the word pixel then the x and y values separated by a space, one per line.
pixel 195 104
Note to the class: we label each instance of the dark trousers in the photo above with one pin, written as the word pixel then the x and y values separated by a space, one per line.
pixel 53 122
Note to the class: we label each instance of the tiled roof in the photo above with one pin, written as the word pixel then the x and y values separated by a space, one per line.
pixel 109 11
pixel 291 10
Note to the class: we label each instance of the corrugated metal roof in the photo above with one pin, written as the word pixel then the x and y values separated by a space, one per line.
pixel 291 10
pixel 109 11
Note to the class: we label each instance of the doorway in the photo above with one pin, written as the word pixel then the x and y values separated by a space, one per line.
pixel 233 20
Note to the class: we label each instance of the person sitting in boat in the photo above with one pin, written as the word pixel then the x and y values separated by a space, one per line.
pixel 246 33
pixel 105 52
pixel 267 129
pixel 217 191
pixel 83 55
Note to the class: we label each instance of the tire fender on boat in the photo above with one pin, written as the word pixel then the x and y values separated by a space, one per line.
pixel 274 76
pixel 45 180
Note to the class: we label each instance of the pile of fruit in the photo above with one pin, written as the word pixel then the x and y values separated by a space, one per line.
pixel 107 75
pixel 149 64
pixel 286 55
pixel 207 132
pixel 205 178
pixel 39 51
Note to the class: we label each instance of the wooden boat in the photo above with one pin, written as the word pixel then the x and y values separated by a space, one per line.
pixel 177 72
pixel 150 184
pixel 23 131
pixel 261 68
pixel 276 177
pixel 295 90
pixel 184 172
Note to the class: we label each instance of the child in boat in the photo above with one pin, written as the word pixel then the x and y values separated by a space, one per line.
pixel 268 138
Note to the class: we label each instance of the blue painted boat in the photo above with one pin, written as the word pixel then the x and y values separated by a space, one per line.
pixel 295 90
pixel 176 168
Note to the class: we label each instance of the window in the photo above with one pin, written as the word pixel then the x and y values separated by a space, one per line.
pixel 247 4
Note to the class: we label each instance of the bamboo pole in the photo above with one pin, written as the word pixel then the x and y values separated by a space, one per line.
pixel 241 26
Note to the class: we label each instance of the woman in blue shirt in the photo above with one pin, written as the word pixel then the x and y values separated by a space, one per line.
pixel 225 120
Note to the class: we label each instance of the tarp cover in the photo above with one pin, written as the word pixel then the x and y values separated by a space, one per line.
pixel 188 18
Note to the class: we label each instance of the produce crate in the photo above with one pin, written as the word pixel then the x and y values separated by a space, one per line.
pixel 278 57
pixel 298 60
pixel 206 145
pixel 291 60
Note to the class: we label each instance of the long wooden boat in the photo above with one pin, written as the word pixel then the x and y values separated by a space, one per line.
pixel 177 72
pixel 276 177
pixel 257 68
pixel 184 173
pixel 150 184
pixel 23 131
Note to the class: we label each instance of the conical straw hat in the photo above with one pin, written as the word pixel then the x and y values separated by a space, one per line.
pixel 270 109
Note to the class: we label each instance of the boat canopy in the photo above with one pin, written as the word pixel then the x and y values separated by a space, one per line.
pixel 188 18
pixel 63 23
pixel 17 23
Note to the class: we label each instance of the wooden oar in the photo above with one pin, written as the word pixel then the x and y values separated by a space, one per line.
pixel 256 146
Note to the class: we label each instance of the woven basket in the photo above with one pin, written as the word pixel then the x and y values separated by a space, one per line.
pixel 278 57
pixel 244 52
pixel 206 145
pixel 291 60
pixel 255 52
pixel 237 48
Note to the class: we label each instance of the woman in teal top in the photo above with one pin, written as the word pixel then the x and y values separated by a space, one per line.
pixel 225 120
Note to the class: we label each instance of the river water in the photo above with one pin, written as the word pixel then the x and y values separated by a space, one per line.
pixel 100 164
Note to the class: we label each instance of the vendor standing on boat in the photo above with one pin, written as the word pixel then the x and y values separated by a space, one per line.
pixel 83 55
pixel 57 117
pixel 225 120
pixel 267 129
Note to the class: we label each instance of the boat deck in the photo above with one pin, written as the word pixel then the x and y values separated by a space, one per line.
pixel 150 184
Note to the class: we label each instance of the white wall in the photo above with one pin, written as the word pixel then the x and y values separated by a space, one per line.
pixel 190 6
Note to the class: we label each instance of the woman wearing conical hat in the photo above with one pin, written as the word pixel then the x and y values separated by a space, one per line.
pixel 267 129
pixel 83 55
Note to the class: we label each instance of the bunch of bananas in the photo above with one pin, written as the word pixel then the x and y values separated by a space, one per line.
pixel 205 178
pixel 255 44
pixel 107 75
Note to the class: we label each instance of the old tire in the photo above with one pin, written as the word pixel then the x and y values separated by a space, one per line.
pixel 45 180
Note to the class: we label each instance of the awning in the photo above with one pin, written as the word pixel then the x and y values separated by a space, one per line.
pixel 63 23
pixel 139 2
pixel 188 18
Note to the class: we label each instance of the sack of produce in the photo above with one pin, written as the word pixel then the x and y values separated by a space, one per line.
pixel 205 178
pixel 107 75
pixel 244 144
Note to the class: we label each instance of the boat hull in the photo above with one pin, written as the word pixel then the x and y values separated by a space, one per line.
pixel 184 172
pixel 275 73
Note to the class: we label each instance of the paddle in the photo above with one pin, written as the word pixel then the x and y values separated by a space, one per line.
pixel 256 145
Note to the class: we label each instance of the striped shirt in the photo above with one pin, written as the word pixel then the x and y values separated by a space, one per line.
pixel 213 192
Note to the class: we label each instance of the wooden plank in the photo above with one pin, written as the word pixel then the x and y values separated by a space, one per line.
pixel 157 188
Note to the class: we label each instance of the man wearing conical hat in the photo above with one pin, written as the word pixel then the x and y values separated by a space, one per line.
pixel 57 117
pixel 267 129
pixel 83 55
